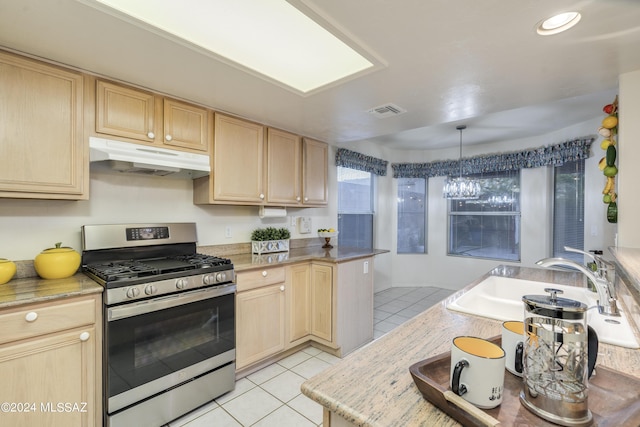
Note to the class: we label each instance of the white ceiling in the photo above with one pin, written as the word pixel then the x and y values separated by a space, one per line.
pixel 447 62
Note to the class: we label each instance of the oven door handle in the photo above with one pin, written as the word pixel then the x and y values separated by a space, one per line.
pixel 148 306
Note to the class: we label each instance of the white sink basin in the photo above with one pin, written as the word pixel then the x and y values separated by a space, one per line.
pixel 500 298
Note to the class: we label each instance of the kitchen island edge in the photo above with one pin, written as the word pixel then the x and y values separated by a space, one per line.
pixel 373 386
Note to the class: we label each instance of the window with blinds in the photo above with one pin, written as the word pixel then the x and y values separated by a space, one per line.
pixel 568 210
pixel 412 216
pixel 355 208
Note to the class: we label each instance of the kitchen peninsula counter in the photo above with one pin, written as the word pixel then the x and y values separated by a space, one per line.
pixel 248 261
pixel 34 289
pixel 373 386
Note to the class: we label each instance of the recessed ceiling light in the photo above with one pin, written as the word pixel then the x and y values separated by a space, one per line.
pixel 269 38
pixel 558 23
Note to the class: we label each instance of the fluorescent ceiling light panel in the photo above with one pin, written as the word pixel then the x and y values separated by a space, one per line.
pixel 271 37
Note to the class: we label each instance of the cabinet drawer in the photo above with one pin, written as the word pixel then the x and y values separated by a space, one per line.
pixel 40 319
pixel 257 278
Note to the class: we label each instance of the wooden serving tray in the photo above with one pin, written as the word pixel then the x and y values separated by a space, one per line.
pixel 614 397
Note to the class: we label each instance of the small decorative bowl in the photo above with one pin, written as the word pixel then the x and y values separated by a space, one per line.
pixel 327 237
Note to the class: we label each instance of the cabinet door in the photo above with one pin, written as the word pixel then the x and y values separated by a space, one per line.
pixel 125 112
pixel 185 125
pixel 315 167
pixel 299 301
pixel 42 151
pixel 238 148
pixel 46 372
pixel 283 167
pixel 259 324
pixel 322 301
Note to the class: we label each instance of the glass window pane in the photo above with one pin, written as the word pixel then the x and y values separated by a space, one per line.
pixel 355 191
pixel 488 227
pixel 568 210
pixel 500 193
pixel 355 230
pixel 412 215
pixel 485 236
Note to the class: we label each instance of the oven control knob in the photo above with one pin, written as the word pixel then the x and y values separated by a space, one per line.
pixel 181 283
pixel 209 279
pixel 150 290
pixel 133 292
pixel 221 277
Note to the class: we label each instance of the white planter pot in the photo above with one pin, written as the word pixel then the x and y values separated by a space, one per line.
pixel 269 246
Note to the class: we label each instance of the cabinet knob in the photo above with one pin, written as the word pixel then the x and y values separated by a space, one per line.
pixel 31 316
pixel 261 196
pixel 298 199
pixel 84 336
pixel 151 135
pixel 168 137
pixel 264 273
pixel 282 288
pixel 306 199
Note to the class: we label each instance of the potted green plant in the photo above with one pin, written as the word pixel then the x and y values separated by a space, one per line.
pixel 270 239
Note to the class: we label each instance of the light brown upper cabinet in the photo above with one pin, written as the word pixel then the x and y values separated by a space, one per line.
pixel 296 170
pixel 150 118
pixel 284 160
pixel 315 168
pixel 238 164
pixel 42 150
pixel 282 169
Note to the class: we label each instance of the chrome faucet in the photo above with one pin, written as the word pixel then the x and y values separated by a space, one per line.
pixel 604 268
pixel 607 303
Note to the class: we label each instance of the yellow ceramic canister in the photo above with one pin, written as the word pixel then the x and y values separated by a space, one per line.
pixel 57 263
pixel 7 270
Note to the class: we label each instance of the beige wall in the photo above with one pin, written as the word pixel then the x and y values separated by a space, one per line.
pixel 628 156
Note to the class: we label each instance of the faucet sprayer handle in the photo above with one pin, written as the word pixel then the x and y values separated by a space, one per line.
pixel 579 251
pixel 602 264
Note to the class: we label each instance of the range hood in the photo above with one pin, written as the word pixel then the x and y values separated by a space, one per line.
pixel 126 157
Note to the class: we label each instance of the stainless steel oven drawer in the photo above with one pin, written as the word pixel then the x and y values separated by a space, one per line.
pixel 167 406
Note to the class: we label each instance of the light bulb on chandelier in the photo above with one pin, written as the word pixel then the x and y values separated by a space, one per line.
pixel 461 188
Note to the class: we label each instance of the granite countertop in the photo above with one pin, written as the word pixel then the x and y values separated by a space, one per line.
pixel 34 289
pixel 27 290
pixel 247 261
pixel 629 260
pixel 373 386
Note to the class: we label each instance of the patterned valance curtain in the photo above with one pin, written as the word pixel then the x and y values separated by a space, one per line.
pixel 351 159
pixel 555 155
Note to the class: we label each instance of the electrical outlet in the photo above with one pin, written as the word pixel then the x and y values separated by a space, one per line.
pixel 227 232
pixel 293 221
pixel 366 267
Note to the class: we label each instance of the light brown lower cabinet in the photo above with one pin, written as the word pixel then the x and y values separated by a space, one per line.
pixel 310 303
pixel 50 364
pixel 279 308
pixel 299 302
pixel 322 301
pixel 260 315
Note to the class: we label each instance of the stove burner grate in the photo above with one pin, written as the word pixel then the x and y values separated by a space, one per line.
pixel 130 269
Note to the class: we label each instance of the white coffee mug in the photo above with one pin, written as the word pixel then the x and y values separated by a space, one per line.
pixel 477 371
pixel 512 343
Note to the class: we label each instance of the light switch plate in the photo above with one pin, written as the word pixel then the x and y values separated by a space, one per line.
pixel 304 224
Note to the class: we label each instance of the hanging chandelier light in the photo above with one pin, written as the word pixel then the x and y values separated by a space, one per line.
pixel 461 188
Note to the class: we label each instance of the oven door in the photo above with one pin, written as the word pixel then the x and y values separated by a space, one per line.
pixel 156 344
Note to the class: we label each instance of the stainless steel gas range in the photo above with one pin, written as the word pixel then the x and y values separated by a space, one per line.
pixel 169 322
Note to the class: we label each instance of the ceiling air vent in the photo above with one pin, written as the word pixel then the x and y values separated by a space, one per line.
pixel 387 110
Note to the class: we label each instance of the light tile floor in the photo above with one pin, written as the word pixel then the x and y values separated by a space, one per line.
pixel 271 397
